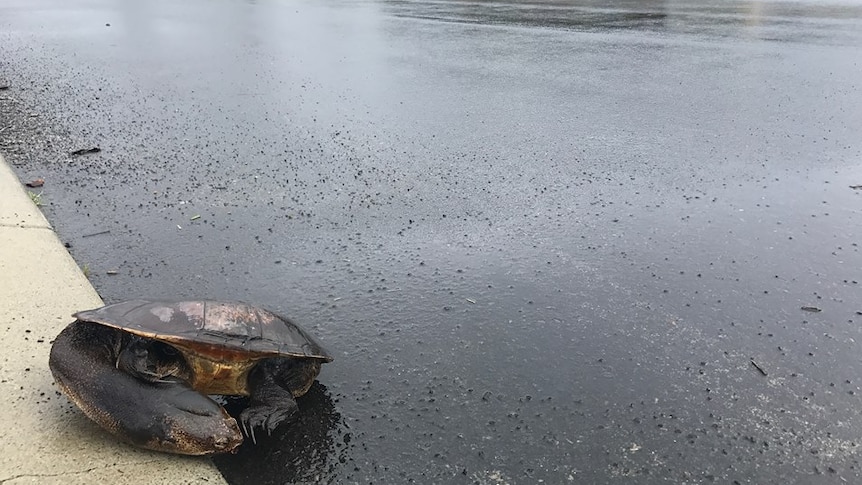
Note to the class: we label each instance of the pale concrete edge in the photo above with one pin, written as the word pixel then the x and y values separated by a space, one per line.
pixel 30 220
pixel 17 209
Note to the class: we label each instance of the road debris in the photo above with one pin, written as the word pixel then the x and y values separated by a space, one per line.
pixel 85 151
pixel 759 369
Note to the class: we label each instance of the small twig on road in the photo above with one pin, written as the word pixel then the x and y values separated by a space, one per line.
pixel 760 369
pixel 97 233
pixel 85 151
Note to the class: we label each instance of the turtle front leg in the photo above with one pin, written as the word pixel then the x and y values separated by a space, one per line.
pixel 273 386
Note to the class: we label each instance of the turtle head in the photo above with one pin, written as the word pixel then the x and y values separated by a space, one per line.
pixel 198 435
pixel 191 424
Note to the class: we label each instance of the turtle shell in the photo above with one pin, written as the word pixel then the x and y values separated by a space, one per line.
pixel 216 330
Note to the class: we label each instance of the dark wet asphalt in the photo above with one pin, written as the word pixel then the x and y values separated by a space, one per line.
pixel 559 242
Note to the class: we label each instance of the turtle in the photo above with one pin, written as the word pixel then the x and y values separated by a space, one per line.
pixel 145 370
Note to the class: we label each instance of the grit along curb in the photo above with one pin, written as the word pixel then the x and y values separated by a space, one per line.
pixel 45 439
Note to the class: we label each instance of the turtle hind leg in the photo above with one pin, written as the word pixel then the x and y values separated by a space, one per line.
pixel 151 361
pixel 273 383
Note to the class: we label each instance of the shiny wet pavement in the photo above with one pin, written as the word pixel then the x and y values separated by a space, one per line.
pixel 569 242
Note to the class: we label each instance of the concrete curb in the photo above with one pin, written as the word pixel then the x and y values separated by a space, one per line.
pixel 44 438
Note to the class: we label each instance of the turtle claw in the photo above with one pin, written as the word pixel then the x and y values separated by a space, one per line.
pixel 263 417
pixel 248 430
pixel 252 418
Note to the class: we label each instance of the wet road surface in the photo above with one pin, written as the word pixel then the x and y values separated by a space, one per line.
pixel 559 242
